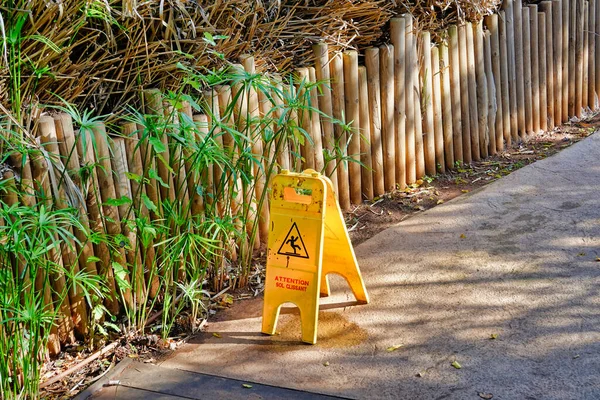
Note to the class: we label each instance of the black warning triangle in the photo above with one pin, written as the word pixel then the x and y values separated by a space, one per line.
pixel 293 245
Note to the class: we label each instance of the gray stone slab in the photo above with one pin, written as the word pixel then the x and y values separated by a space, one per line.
pixel 150 382
pixel 515 259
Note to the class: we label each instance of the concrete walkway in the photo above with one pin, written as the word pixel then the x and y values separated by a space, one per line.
pixel 516 261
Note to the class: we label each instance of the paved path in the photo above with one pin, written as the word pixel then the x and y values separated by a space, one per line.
pixel 516 259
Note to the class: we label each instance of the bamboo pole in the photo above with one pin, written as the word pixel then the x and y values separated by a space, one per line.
pixel 135 166
pixel 466 99
pixel 111 213
pixel 473 97
pixel 591 48
pixel 366 136
pixel 455 91
pixel 154 106
pixel 398 37
pixel 48 138
pixel 491 101
pixel 557 60
pixel 546 7
pixel 572 51
pixel 195 180
pixel 179 194
pixel 336 69
pixel 512 71
pixel 133 253
pixel 585 63
pixel 374 93
pixel 96 220
pixel 504 81
pixel 308 147
pixel 519 66
pixel 535 68
pixel 257 151
pixel 542 73
pixel 481 90
pixel 351 97
pixel 391 153
pixel 447 107
pixel 65 135
pixel 212 100
pixel 566 59
pixel 53 283
pixel 492 24
pixel 416 85
pixel 315 122
pixel 411 165
pixel 527 72
pixel 597 53
pixel 427 98
pixel 438 128
pixel 578 59
pixel 326 106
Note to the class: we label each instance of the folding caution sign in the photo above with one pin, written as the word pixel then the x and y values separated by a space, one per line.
pixel 307 240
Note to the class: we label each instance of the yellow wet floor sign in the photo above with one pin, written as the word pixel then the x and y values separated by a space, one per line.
pixel 307 240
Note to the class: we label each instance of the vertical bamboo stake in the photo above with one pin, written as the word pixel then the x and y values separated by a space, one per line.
pixel 212 100
pixel 597 53
pixel 447 106
pixel 336 69
pixel 512 68
pixel 473 109
pixel 179 192
pixel 123 189
pixel 352 114
pixel 585 62
pixel 374 92
pixel 591 48
pixel 419 151
pixel 492 23
pixel 135 166
pixel 56 280
pixel 257 150
pixel 527 72
pixel 578 59
pixel 154 105
pixel 398 37
pixel 455 91
pixel 390 153
pixel 557 60
pixel 466 99
pixel 365 134
pixel 481 90
pixel 283 157
pixel 308 147
pixel 491 101
pixel 315 122
pixel 566 60
pixel 504 81
pixel 427 97
pixel 94 202
pixel 326 106
pixel 47 132
pixel 520 85
pixel 572 51
pixel 535 68
pixel 195 180
pixel 107 192
pixel 411 166
pixel 546 7
pixel 438 128
pixel 65 135
pixel 542 74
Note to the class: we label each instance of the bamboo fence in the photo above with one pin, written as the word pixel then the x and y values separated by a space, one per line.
pixel 414 108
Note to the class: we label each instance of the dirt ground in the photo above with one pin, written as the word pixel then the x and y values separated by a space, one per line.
pixel 363 222
pixel 372 217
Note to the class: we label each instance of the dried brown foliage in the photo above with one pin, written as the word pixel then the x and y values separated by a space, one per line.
pixel 100 53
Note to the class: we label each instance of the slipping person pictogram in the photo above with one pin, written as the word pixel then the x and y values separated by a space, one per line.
pixel 292 244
